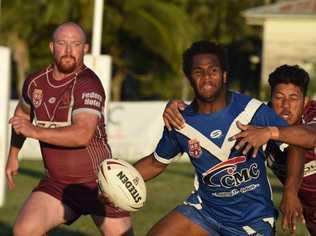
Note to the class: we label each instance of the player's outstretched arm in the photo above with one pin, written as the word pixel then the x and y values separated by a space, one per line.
pixel 300 135
pixel 149 167
pixel 254 137
pixel 16 144
pixel 78 134
pixel 290 205
pixel 172 116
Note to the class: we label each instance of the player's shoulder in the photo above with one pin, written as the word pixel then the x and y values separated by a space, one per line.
pixel 240 99
pixel 37 74
pixel 86 75
pixel 310 111
pixel 240 102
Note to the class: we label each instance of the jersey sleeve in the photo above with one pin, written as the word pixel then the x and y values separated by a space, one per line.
pixel 266 116
pixel 25 99
pixel 89 96
pixel 309 116
pixel 168 147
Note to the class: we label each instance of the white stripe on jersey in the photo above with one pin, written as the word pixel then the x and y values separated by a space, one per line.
pixel 222 153
pixel 163 160
pixel 269 220
pixel 249 230
pixel 89 110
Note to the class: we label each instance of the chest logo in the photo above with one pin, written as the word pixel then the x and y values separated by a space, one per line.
pixel 52 100
pixel 66 99
pixel 37 97
pixel 226 174
pixel 194 147
pixel 216 133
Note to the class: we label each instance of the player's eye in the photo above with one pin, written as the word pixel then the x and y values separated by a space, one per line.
pixel 294 98
pixel 60 43
pixel 197 73
pixel 76 44
pixel 214 70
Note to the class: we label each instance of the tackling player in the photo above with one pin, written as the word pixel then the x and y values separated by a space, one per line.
pixel 66 100
pixel 232 194
pixel 288 98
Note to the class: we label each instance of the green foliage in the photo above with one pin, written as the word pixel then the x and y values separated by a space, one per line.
pixel 145 38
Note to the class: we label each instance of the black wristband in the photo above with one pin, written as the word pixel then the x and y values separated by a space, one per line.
pixel 17 140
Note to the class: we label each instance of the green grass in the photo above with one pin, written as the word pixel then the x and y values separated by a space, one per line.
pixel 164 193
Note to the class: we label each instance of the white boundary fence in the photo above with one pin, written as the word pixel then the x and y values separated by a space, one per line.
pixel 4 103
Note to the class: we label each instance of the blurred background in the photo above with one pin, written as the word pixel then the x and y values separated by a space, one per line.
pixel 145 40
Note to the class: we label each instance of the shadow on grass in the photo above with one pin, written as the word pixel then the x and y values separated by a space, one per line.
pixel 6 230
pixel 31 173
pixel 65 232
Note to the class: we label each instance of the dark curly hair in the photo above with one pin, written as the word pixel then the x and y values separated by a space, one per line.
pixel 203 47
pixel 286 74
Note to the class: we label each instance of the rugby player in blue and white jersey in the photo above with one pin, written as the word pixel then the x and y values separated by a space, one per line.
pixel 232 193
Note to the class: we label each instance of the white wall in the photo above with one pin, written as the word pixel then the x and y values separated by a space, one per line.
pixel 4 98
pixel 287 41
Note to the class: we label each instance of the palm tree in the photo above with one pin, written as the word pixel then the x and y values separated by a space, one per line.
pixel 163 29
pixel 160 30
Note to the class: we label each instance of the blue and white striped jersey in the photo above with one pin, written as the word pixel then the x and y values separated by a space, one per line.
pixel 231 188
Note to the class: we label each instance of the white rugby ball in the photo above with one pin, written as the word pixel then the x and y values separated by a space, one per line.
pixel 122 184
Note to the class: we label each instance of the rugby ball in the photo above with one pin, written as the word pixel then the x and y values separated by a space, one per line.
pixel 122 184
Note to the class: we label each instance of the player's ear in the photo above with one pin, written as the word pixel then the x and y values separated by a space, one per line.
pixel 51 47
pixel 225 77
pixel 306 100
pixel 86 48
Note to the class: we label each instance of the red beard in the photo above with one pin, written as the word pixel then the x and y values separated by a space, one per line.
pixel 67 64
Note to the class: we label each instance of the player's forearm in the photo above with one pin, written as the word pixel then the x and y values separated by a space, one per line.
pixel 71 136
pixel 17 140
pixel 295 168
pixel 14 152
pixel 300 135
pixel 149 168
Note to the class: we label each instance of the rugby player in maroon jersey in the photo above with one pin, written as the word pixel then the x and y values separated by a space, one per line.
pixel 288 89
pixel 65 101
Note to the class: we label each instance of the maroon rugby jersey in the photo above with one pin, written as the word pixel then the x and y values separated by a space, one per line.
pixel 309 182
pixel 53 104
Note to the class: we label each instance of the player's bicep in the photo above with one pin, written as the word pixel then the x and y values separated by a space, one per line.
pixel 149 167
pixel 87 122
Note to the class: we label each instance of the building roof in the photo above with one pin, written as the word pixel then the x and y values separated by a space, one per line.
pixel 293 8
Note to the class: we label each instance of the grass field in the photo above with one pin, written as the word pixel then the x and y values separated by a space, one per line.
pixel 164 193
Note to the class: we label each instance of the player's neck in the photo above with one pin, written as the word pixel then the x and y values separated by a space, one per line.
pixel 206 107
pixel 58 75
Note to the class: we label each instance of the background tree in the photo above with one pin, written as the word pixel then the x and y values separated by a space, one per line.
pixel 145 38
pixel 26 27
pixel 149 38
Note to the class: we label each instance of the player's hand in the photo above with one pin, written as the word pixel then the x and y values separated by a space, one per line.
pixel 251 137
pixel 172 116
pixel 292 211
pixel 23 126
pixel 103 197
pixel 11 170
